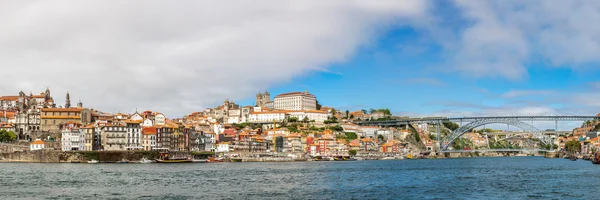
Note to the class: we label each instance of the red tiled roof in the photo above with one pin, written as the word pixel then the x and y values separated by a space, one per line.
pixel 149 131
pixel 9 98
pixel 62 109
pixel 38 142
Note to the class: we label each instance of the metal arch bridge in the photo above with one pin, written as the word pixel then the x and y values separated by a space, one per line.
pixel 495 150
pixel 448 140
pixel 470 119
pixel 474 122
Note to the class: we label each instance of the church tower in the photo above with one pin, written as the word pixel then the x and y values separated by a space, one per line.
pixel 68 101
pixel 47 94
pixel 80 105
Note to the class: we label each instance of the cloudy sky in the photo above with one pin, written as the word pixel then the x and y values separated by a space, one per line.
pixel 416 57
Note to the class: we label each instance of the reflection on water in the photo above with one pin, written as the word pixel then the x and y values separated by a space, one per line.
pixel 479 178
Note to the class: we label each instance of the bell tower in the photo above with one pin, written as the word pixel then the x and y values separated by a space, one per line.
pixel 68 101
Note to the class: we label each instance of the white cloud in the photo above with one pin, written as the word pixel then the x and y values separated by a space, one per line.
pixel 179 57
pixel 501 38
pixel 523 93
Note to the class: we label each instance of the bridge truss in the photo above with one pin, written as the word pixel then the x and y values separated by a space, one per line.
pixel 474 122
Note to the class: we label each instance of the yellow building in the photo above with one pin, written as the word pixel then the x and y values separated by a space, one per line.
pixel 54 119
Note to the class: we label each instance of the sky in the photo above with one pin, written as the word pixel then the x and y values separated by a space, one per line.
pixel 415 57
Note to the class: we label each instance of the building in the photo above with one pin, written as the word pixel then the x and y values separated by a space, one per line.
pixel 72 138
pixel 54 119
pixel 148 138
pixel 210 139
pixel 295 101
pixel 268 116
pixel 37 145
pixel 88 138
pixel 262 99
pixel 310 115
pixel 28 122
pixel 368 131
pixel 114 136
pixel 134 134
pixel 224 147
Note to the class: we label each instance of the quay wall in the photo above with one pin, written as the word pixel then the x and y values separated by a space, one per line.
pixel 53 156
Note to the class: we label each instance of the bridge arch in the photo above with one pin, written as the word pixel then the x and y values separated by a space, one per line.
pixel 449 140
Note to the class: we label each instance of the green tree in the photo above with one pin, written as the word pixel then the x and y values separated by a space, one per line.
pixel 347 114
pixel 305 120
pixel 318 105
pixel 351 116
pixel 451 125
pixel 462 143
pixel 351 135
pixel 381 138
pixel 371 111
pixel 352 152
pixel 293 119
pixel 313 128
pixel 365 111
pixel 385 111
pixel 336 128
pixel 7 136
pixel 573 146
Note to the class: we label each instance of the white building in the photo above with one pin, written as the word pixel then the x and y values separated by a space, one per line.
pixel 223 147
pixel 37 145
pixel 72 139
pixel 210 138
pixel 134 135
pixel 295 101
pixel 368 131
pixel 159 119
pixel 316 115
pixel 268 116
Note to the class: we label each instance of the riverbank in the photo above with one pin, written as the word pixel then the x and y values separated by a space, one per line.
pixel 52 156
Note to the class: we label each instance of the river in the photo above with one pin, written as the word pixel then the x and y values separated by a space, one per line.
pixel 469 178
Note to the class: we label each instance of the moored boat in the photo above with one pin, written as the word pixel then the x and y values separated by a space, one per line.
pixel 213 159
pixel 573 158
pixel 596 158
pixel 166 158
pixel 145 161
pixel 92 161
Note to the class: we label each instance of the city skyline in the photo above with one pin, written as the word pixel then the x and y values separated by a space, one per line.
pixel 417 58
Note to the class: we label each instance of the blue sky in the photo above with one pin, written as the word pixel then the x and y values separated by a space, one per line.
pixel 391 73
pixel 465 62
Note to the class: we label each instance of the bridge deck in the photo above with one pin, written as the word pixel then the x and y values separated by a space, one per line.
pixel 497 150
pixel 469 119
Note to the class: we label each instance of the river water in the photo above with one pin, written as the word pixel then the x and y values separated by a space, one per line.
pixel 469 178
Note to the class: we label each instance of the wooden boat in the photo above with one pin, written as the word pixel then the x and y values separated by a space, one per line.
pixel 573 158
pixel 176 160
pixel 166 158
pixel 596 158
pixel 200 161
pixel 213 159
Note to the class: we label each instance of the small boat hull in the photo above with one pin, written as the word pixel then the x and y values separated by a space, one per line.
pixel 174 161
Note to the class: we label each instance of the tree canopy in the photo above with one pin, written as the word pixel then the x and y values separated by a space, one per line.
pixel 7 136
pixel 573 146
pixel 451 125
